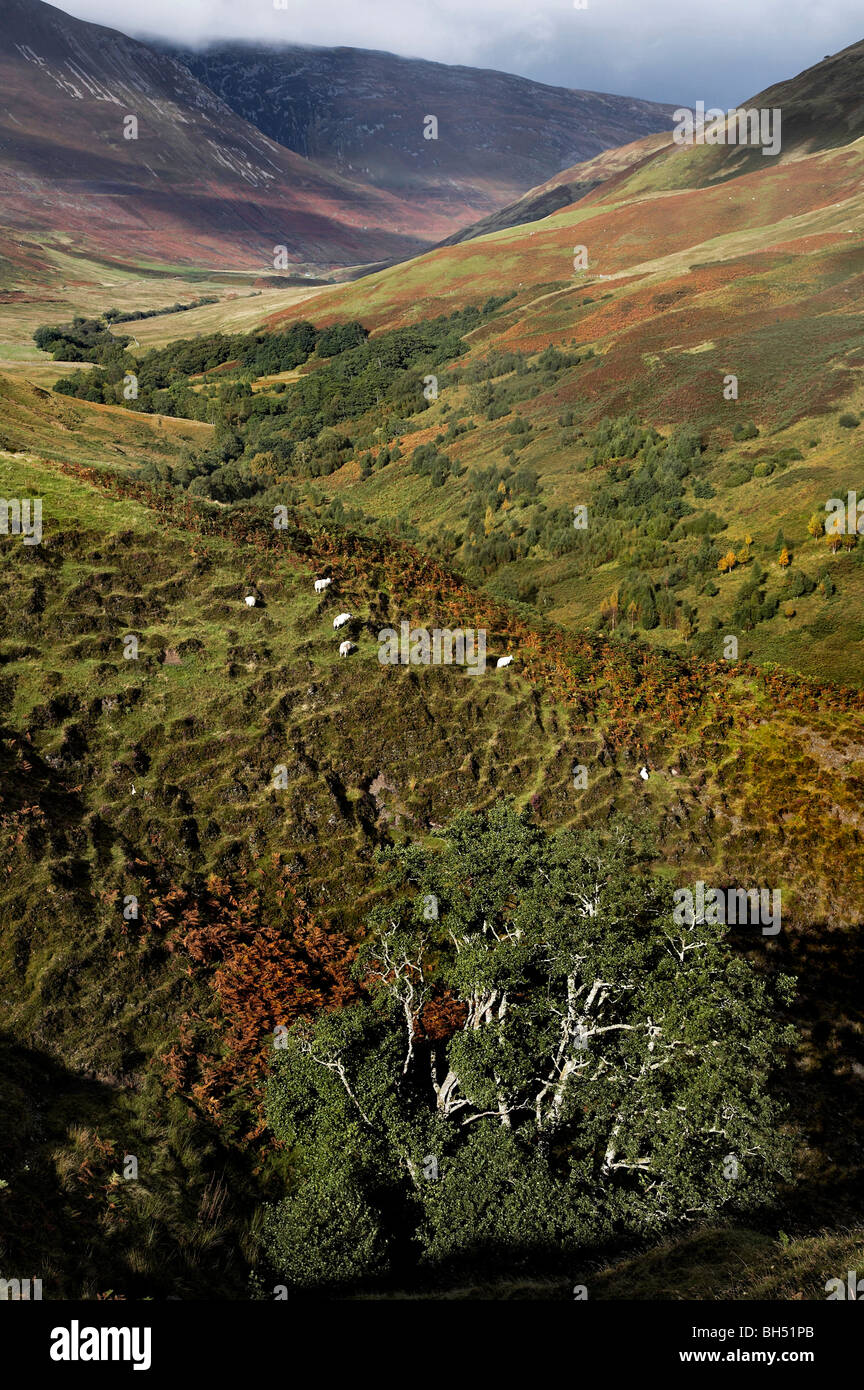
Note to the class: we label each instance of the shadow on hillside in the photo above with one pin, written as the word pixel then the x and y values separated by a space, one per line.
pixel 68 1216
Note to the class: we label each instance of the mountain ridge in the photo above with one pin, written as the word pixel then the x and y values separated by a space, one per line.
pixel 361 112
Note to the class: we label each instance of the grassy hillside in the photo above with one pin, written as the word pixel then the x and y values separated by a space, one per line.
pixel 153 778
pixel 758 279
pixel 729 1264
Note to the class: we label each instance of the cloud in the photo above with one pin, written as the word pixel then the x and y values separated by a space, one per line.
pixel 663 50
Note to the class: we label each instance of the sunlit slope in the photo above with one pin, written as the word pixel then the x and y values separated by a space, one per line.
pixel 33 420
pixel 46 280
pixel 675 268
pixel 566 187
pixel 760 279
pixel 682 240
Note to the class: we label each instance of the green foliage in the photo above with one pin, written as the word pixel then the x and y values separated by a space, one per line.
pixel 82 340
pixel 340 338
pixel 745 430
pixel 115 316
pixel 549 1062
pixel 432 463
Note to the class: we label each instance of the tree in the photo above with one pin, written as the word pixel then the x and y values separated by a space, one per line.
pixel 816 525
pixel 784 558
pixel 546 1060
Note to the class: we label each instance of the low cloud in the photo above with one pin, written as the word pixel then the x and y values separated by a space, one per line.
pixel 720 54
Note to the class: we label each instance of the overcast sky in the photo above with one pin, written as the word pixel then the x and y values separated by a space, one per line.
pixel 666 50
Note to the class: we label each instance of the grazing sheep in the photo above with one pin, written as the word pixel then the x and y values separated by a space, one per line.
pixel 346 648
pixel 250 600
pixel 321 585
pixel 643 773
pixel 342 619
pixel 503 661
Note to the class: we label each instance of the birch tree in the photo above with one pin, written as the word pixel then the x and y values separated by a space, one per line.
pixel 600 1065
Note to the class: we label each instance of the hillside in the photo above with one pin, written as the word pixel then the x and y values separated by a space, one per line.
pixel 566 186
pixel 734 309
pixel 361 115
pixel 145 1034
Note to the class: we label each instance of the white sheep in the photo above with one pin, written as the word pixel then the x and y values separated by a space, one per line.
pixel 643 773
pixel 503 661
pixel 346 648
pixel 250 600
pixel 322 584
pixel 341 619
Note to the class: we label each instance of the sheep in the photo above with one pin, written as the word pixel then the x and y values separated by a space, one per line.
pixel 322 584
pixel 250 600
pixel 643 773
pixel 503 661
pixel 341 620
pixel 346 648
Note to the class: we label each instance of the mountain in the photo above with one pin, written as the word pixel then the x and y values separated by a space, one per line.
pixel 198 184
pixel 822 106
pixel 361 114
pixel 820 110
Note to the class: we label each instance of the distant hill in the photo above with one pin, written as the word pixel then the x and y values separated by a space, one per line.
pixel 361 114
pixel 198 184
pixel 564 188
pixel 820 110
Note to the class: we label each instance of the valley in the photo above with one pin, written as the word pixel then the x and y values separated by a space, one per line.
pixel 600 419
